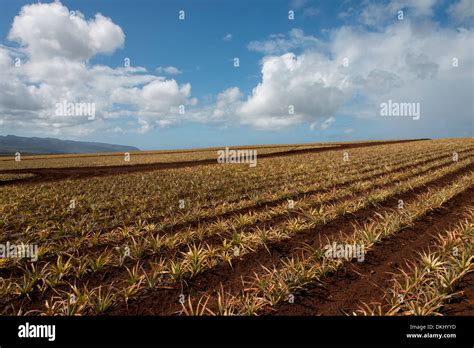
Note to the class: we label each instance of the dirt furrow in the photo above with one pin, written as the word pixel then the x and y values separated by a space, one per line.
pixel 165 302
pixel 462 304
pixel 344 291
pixel 55 174
pixel 264 205
pixel 115 273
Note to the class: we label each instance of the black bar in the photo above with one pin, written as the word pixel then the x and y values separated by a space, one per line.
pixel 243 330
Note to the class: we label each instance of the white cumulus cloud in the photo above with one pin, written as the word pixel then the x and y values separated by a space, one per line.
pixel 357 69
pixel 49 30
pixel 56 46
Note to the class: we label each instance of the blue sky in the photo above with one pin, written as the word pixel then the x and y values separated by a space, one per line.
pixel 342 105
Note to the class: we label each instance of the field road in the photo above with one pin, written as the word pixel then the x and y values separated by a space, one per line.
pixel 42 175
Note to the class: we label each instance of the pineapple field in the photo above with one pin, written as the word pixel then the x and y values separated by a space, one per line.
pixel 377 228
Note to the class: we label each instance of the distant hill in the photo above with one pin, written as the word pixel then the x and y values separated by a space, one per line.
pixel 10 144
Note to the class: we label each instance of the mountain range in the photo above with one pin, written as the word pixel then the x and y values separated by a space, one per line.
pixel 10 144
